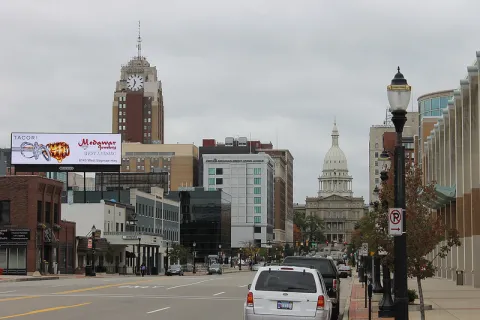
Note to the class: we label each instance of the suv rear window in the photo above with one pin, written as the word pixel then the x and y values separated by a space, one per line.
pixel 322 265
pixel 286 281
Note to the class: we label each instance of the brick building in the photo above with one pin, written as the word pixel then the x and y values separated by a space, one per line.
pixel 33 236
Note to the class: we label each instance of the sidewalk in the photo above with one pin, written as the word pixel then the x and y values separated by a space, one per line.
pixel 449 301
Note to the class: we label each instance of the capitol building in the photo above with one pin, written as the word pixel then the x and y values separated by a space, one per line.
pixel 335 203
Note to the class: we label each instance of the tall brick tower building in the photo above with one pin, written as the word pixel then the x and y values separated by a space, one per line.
pixel 138 112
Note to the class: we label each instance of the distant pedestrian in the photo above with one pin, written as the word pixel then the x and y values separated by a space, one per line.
pixel 143 268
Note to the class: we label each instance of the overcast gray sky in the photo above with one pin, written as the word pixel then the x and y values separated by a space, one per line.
pixel 278 70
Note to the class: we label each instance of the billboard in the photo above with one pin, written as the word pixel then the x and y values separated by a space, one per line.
pixel 66 149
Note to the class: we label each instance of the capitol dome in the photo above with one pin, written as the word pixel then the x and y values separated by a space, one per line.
pixel 335 178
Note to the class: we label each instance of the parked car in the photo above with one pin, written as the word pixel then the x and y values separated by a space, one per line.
pixel 257 266
pixel 326 267
pixel 287 292
pixel 215 269
pixel 174 270
pixel 344 271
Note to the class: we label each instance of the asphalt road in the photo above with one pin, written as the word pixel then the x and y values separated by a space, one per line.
pixel 180 298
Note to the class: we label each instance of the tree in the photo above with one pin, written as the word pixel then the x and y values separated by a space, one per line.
pixel 249 249
pixel 425 229
pixel 178 253
pixel 311 227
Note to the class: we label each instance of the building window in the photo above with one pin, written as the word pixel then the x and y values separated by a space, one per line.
pixel 376 163
pixel 219 181
pixel 219 171
pixel 257 190
pixel 376 155
pixel 211 181
pixel 257 181
pixel 257 170
pixel 257 220
pixel 211 171
pixel 376 171
pixel 39 211
pixel 258 209
pixel 258 229
pixel 4 212
pixel 376 181
pixel 257 200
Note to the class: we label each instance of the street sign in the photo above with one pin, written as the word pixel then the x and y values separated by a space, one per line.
pixel 364 249
pixel 395 221
pixel 89 244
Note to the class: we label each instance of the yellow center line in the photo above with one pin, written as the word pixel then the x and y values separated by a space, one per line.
pixel 44 310
pixel 18 298
pixel 103 287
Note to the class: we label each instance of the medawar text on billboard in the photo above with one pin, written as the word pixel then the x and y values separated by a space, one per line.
pixel 66 149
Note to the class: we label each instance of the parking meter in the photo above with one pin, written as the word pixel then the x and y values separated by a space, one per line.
pixel 361 274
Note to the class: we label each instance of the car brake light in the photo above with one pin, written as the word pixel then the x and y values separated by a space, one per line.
pixel 321 302
pixel 286 268
pixel 335 284
pixel 250 299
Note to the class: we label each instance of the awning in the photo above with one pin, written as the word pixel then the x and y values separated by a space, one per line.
pixel 101 245
pixel 445 195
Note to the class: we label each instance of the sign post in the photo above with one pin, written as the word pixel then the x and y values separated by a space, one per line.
pixel 395 221
pixel 364 249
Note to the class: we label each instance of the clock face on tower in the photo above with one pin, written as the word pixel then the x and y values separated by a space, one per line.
pixel 135 82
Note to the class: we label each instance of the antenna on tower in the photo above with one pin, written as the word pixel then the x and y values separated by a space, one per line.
pixel 139 42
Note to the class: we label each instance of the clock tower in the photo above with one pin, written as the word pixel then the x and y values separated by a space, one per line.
pixel 137 110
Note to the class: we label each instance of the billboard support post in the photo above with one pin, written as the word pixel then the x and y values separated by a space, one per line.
pixel 84 187
pixel 101 185
pixel 118 187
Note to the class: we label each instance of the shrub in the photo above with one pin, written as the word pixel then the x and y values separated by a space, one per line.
pixel 412 295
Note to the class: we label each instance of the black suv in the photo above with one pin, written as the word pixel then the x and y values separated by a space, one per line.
pixel 329 272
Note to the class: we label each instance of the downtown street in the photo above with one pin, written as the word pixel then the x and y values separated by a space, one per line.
pixel 198 297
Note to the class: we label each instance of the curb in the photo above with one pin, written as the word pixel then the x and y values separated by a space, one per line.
pixel 30 279
pixel 346 310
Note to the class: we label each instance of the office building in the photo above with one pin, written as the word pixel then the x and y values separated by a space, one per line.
pixel 143 181
pixel 34 236
pixel 283 198
pixel 180 161
pixel 232 145
pixel 205 221
pixel 451 160
pixel 376 148
pixel 430 109
pixel 249 180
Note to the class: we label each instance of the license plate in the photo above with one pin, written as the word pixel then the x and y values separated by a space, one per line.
pixel 285 305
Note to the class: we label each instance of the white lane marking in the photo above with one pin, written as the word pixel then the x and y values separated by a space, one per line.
pixel 243 286
pixel 8 291
pixel 217 294
pixel 158 310
pixel 188 284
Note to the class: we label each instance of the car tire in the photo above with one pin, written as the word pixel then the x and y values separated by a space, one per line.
pixel 336 311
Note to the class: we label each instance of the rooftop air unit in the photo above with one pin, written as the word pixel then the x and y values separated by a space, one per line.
pixel 229 141
pixel 242 141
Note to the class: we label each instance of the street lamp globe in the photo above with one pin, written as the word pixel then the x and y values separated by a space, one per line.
pixel 93 229
pixel 194 244
pixel 399 93
pixel 219 246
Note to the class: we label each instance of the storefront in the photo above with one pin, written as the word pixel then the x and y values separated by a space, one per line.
pixel 13 251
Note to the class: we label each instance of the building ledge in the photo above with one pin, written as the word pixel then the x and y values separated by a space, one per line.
pixel 445 195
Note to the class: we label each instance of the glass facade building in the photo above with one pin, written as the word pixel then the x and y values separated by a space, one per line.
pixel 430 105
pixel 205 220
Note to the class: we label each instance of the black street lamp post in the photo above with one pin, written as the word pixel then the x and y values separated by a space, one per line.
pixel 377 284
pixel 194 254
pixel 166 263
pixel 269 244
pixel 220 254
pixel 94 234
pixel 386 306
pixel 138 256
pixel 399 93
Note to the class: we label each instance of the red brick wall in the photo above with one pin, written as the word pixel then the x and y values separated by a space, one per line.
pixel 23 193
